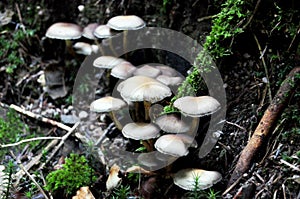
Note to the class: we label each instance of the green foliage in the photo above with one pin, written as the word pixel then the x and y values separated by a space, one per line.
pixel 12 129
pixel 7 180
pixel 10 55
pixel 226 25
pixel 121 192
pixel 75 173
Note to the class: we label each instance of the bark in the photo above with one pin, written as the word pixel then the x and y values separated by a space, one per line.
pixel 266 123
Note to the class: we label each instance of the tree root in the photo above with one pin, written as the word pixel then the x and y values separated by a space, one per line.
pixel 264 127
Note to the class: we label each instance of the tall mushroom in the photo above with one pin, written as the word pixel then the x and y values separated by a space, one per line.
pixel 143 89
pixel 126 22
pixel 109 105
pixel 64 31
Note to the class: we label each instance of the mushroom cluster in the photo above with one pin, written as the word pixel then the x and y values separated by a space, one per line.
pixel 141 88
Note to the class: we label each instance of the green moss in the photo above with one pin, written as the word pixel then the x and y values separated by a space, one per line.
pixel 75 173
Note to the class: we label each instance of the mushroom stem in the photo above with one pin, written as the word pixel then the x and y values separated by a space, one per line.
pixel 115 120
pixel 69 47
pixel 147 145
pixel 125 41
pixel 100 47
pixel 147 106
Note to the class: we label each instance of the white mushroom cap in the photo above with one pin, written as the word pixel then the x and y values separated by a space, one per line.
pixel 167 70
pixel 126 22
pixel 172 123
pixel 107 104
pixel 140 88
pixel 107 62
pixel 197 106
pixel 186 178
pixel 89 30
pixel 175 145
pixel 149 160
pixel 140 131
pixel 64 31
pixel 83 48
pixel 103 31
pixel 169 81
pixel 147 71
pixel 123 70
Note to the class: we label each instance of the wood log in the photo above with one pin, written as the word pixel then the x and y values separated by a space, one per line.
pixel 266 123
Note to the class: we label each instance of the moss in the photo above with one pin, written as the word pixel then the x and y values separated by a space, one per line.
pixel 75 173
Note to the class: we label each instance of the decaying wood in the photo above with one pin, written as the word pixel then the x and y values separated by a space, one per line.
pixel 264 127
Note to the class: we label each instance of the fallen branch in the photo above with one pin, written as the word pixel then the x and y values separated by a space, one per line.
pixel 264 127
pixel 29 140
pixel 38 117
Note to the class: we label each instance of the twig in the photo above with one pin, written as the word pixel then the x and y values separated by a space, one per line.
pixel 60 144
pixel 38 117
pixel 33 161
pixel 234 124
pixel 290 165
pixel 265 67
pixel 253 13
pixel 266 123
pixel 30 176
pixel 29 140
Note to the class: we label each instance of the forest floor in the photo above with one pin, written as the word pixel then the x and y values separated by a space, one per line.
pixel 275 172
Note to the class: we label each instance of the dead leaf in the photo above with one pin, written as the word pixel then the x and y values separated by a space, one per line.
pixel 5 18
pixel 113 179
pixel 84 193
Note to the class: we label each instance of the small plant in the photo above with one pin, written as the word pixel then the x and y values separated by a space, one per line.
pixel 122 192
pixel 6 180
pixel 12 129
pixel 75 173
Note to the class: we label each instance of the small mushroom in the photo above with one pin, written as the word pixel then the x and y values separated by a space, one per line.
pixel 64 31
pixel 113 179
pixel 197 106
pixel 186 179
pixel 125 23
pixel 123 70
pixel 140 131
pixel 103 31
pixel 147 71
pixel 169 81
pixel 175 144
pixel 85 48
pixel 109 105
pixel 107 62
pixel 88 31
pixel 172 123
pixel 143 89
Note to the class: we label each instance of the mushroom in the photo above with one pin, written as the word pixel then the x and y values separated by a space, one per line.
pixel 167 70
pixel 109 105
pixel 172 123
pixel 113 179
pixel 187 179
pixel 88 31
pixel 141 131
pixel 175 144
pixel 197 106
pixel 147 71
pixel 85 48
pixel 102 32
pixel 143 89
pixel 123 70
pixel 64 31
pixel 107 62
pixel 126 22
pixel 169 81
